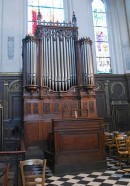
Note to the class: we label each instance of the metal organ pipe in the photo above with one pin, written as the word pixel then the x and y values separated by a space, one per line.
pixel 64 59
pixel 61 44
pixel 73 63
pixel 83 61
pixel 86 61
pixel 49 69
pixel 47 62
pixel 28 64
pixel 56 72
pixel 40 66
pixel 44 59
pixel 86 67
pixel 90 62
pixel 65 63
pixel 68 63
pixel 34 63
pixel 59 66
pixel 51 80
pixel 53 63
pixel 30 59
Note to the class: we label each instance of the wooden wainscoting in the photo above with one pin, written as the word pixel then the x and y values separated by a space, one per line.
pixel 78 145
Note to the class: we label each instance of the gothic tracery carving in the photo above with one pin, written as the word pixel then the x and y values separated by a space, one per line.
pixel 15 86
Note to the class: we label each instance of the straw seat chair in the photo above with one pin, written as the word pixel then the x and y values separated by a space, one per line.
pixel 122 148
pixel 29 174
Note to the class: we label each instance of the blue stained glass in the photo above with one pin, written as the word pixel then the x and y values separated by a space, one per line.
pixel 99 18
pixel 101 37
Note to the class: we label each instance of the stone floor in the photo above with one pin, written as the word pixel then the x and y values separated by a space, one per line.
pixel 113 175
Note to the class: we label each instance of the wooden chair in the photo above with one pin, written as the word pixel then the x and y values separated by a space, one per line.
pixel 29 174
pixel 128 148
pixel 110 143
pixel 128 133
pixel 6 174
pixel 122 148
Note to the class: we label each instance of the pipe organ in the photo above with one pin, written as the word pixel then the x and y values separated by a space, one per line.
pixel 58 78
pixel 59 98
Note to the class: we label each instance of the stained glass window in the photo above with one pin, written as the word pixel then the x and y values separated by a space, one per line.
pixel 51 10
pixel 101 37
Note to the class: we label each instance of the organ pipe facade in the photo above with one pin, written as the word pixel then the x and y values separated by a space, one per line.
pixel 59 61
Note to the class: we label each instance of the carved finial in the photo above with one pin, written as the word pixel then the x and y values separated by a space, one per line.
pixel 39 17
pixel 74 20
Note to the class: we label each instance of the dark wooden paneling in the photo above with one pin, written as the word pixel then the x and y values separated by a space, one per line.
pixel 101 105
pixel 78 144
pixel 118 92
pixel 120 114
pixel 36 132
pixel 15 111
pixel 73 143
pixel 11 96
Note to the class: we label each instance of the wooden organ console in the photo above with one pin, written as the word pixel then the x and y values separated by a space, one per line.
pixel 58 81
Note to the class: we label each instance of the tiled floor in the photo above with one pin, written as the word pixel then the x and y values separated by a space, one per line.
pixel 112 176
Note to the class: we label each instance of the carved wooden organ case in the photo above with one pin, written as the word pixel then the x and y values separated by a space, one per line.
pixel 58 78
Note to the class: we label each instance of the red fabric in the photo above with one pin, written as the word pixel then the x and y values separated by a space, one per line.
pixel 34 19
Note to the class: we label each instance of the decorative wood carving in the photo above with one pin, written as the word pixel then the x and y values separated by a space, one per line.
pixel 35 108
pixel 46 108
pixel 91 106
pixel 28 108
pixel 117 89
pixel 16 86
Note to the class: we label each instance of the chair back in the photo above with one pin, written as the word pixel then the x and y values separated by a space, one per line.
pixel 29 174
pixel 121 143
pixel 128 133
pixel 128 145
pixel 108 137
